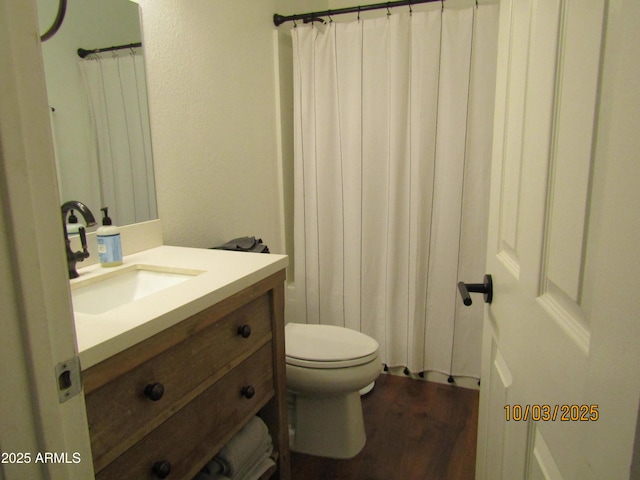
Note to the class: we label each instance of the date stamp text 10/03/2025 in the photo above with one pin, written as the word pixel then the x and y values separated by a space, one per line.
pixel 551 413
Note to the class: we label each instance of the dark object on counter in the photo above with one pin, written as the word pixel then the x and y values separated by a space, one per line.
pixel 244 244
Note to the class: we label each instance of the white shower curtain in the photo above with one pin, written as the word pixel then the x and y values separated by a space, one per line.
pixel 393 123
pixel 116 86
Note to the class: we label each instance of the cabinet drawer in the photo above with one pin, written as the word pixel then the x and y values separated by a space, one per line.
pixel 120 413
pixel 196 433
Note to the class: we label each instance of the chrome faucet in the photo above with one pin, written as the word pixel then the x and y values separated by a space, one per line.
pixel 89 220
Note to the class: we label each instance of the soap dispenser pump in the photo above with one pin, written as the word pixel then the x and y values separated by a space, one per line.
pixel 109 245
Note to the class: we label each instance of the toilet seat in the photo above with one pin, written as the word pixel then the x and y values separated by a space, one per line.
pixel 327 346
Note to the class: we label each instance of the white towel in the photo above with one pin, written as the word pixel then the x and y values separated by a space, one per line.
pixel 245 471
pixel 249 443
pixel 212 468
pixel 234 470
pixel 204 475
pixel 257 469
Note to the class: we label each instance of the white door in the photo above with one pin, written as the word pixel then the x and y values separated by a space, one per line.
pixel 43 432
pixel 561 352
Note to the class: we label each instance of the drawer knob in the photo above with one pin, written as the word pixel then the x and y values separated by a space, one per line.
pixel 248 391
pixel 154 391
pixel 162 469
pixel 244 331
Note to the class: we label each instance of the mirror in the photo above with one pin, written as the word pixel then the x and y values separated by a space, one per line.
pixel 99 114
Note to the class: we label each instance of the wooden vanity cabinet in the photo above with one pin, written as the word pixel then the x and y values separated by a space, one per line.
pixel 171 402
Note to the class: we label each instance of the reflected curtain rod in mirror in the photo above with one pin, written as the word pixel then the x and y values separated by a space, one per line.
pixel 83 53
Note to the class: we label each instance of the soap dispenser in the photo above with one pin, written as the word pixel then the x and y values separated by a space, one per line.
pixel 109 245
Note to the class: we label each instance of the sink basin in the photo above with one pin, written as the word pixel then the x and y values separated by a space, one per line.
pixel 115 289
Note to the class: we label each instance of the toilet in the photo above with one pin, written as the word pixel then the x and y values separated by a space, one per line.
pixel 326 367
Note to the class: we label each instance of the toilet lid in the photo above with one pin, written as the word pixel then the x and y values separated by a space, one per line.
pixel 327 346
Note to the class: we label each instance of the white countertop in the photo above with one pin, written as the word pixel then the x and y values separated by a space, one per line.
pixel 225 273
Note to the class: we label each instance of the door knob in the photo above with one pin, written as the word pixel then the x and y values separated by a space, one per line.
pixel 486 288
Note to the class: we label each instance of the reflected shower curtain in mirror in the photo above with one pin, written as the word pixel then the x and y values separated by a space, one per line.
pixel 116 87
pixel 393 124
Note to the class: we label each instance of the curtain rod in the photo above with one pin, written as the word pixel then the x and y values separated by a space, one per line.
pixel 309 17
pixel 82 53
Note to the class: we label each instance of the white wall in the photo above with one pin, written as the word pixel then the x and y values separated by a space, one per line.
pixel 212 98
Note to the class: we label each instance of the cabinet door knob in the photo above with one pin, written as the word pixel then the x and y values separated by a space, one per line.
pixel 154 391
pixel 244 331
pixel 162 469
pixel 248 391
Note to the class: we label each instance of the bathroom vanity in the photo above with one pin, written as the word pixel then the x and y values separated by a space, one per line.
pixel 166 393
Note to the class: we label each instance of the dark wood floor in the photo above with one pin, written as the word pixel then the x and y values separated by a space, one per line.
pixel 416 430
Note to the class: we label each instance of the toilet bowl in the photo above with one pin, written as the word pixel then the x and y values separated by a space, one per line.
pixel 326 368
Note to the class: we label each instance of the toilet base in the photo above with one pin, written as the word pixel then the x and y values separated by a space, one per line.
pixel 329 426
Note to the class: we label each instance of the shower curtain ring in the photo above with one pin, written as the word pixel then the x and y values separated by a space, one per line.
pixel 358 13
pixel 388 10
